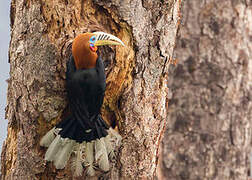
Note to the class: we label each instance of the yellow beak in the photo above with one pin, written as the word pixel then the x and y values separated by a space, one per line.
pixel 103 38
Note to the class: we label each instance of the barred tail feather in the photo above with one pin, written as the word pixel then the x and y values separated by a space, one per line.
pixel 90 171
pixel 64 154
pixel 78 160
pixel 53 149
pixel 101 155
pixel 48 138
pixel 109 148
pixel 89 153
pixel 115 136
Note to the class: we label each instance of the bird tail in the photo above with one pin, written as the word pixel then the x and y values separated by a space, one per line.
pixel 95 153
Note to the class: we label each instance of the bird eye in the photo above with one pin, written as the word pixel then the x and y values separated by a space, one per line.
pixel 92 39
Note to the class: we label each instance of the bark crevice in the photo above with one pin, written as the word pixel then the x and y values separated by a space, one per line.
pixel 136 94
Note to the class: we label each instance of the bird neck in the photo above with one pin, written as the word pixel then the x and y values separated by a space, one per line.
pixel 85 60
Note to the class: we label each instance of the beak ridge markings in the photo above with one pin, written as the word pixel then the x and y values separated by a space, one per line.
pixel 109 37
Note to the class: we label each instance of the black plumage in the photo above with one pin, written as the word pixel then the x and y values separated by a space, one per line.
pixel 85 92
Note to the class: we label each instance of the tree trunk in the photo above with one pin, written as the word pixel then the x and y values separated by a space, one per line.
pixel 210 112
pixel 136 93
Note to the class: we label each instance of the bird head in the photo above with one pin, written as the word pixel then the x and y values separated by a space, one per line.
pixel 85 46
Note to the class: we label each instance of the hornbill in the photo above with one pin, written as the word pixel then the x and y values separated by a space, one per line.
pixel 83 132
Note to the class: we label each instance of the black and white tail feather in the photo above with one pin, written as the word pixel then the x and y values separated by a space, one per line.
pixel 91 155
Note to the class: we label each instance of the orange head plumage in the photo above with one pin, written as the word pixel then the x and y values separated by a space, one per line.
pixel 85 46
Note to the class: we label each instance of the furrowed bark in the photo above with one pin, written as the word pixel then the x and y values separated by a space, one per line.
pixel 136 93
pixel 209 119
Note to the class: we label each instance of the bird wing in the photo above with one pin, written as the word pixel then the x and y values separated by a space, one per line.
pixel 85 88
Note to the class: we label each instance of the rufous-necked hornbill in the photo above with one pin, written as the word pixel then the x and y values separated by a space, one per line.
pixel 83 132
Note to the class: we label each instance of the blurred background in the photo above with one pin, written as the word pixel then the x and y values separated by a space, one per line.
pixel 4 65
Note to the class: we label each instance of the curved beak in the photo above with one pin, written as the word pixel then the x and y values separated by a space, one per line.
pixel 103 38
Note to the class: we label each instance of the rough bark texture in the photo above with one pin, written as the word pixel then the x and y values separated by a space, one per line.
pixel 209 119
pixel 136 92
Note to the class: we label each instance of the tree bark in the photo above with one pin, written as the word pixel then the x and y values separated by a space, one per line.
pixel 136 93
pixel 210 112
